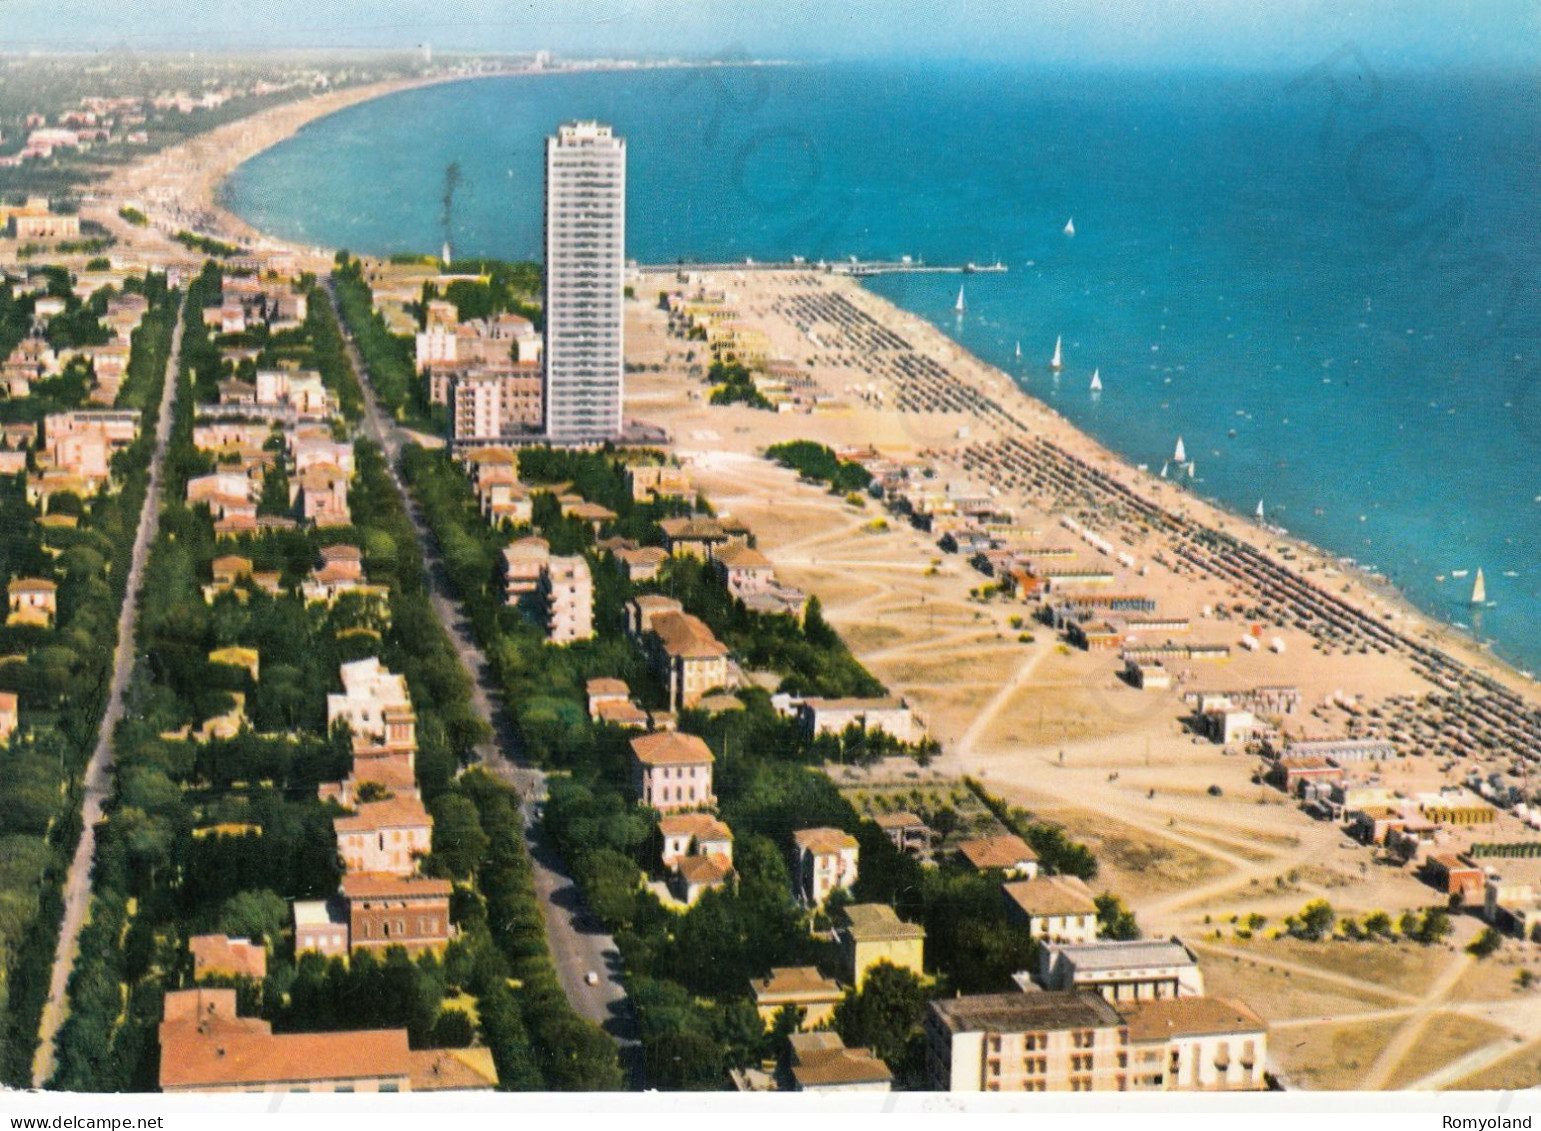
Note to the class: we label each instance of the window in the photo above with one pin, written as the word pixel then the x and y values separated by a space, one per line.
pixel 390 1087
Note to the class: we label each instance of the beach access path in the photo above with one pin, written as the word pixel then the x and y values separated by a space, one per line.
pixel 579 945
pixel 98 776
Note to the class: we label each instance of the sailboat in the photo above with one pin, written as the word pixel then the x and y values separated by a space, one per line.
pixel 1070 226
pixel 1163 470
pixel 1019 351
pixel 1193 468
pixel 1057 361
pixel 1479 590
pixel 1181 454
pixel 1096 380
pixel 959 305
pixel 1260 510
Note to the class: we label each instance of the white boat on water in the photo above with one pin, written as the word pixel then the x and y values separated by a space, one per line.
pixel 1163 470
pixel 1058 360
pixel 1460 572
pixel 1193 468
pixel 1096 380
pixel 960 306
pixel 1070 226
pixel 1260 510
pixel 1479 590
pixel 1019 351
pixel 1181 454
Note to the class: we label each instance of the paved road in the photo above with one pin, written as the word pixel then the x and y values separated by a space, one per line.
pixel 579 945
pixel 98 778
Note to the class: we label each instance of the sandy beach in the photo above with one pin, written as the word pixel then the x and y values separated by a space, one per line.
pixel 1185 832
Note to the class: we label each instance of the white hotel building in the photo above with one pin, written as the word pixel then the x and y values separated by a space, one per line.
pixel 585 265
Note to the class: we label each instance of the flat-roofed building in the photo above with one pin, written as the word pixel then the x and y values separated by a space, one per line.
pixel 374 703
pixel 569 591
pixel 585 263
pixel 801 988
pixel 524 563
pixel 1053 908
pixel 1039 1042
pixel 888 714
pixel 871 933
pixel 320 925
pixel 1122 971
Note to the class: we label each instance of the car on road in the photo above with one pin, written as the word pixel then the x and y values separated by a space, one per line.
pixel 591 978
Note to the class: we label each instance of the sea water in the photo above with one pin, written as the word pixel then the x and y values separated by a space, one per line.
pixel 1324 280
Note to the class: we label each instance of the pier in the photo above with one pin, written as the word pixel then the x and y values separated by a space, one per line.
pixel 857 268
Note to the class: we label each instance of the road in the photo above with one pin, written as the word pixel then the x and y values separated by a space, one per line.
pixel 578 943
pixel 98 777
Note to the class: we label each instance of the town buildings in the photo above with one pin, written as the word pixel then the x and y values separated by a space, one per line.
pixel 1053 908
pixel 1076 1041
pixel 872 933
pixel 206 1047
pixel 672 771
pixel 584 265
pixel 824 861
pixel 1123 971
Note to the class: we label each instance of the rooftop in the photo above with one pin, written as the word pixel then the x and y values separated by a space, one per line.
pixel 1023 1013
pixel 871 922
pixel 702 826
pixel 452 1070
pixel 686 636
pixel 1005 851
pixel 394 812
pixel 823 841
pixel 1190 1017
pixel 1052 895
pixel 379 885
pixel 1113 955
pixel 794 982
pixel 670 748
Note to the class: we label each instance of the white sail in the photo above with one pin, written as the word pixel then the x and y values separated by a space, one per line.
pixel 959 306
pixel 1163 470
pixel 1019 351
pixel 1260 510
pixel 1181 454
pixel 1479 590
pixel 1096 380
pixel 1070 226
pixel 1193 468
pixel 1057 361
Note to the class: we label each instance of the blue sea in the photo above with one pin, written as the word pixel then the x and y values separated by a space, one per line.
pixel 1324 281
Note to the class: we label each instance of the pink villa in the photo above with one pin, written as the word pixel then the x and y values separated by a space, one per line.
pixel 672 771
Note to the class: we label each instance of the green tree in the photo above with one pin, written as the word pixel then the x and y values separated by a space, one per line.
pixel 1114 920
pixel 1485 943
pixel 254 915
pixel 886 1015
pixel 1316 920
pixel 458 840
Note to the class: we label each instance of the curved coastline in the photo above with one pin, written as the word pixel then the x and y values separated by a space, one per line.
pixel 205 163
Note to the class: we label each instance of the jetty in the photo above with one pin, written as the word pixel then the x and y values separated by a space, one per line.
pixel 857 268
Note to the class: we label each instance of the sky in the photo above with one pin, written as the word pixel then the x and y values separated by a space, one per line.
pixel 1167 33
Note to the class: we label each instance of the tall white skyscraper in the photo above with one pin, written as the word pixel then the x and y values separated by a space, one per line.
pixel 585 265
